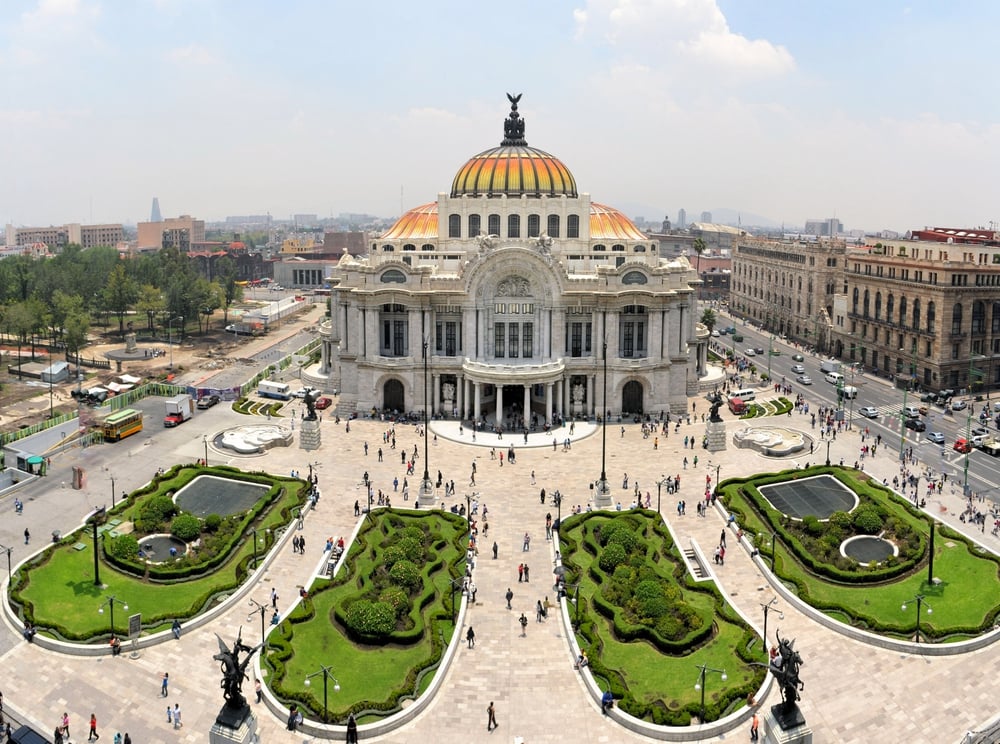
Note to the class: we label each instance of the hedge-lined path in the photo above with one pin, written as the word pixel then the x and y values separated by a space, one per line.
pixel 853 693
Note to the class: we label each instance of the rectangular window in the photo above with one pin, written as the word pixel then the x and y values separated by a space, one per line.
pixel 474 226
pixel 628 340
pixel 450 338
pixel 586 337
pixel 493 223
pixel 640 333
pixel 573 226
pixel 954 351
pixel 512 346
pixel 386 335
pixel 527 340
pixel 576 340
pixel 438 336
pixel 498 340
pixel 399 338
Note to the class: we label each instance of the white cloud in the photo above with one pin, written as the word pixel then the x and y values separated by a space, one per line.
pixel 192 54
pixel 679 31
pixel 54 25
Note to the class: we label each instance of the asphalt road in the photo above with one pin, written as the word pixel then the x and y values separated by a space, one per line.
pixel 880 393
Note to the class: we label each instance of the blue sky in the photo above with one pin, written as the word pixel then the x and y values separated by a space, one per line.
pixel 881 113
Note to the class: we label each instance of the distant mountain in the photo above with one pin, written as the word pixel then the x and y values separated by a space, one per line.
pixel 735 217
pixel 722 215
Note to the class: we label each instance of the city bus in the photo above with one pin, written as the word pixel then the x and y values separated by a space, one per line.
pixel 279 390
pixel 121 424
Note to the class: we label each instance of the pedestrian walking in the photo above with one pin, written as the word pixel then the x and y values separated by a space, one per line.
pixel 274 598
pixel 526 579
pixel 527 543
pixel 170 714
pixel 65 725
pixel 754 726
pixel 93 736
pixel 470 636
pixel 258 690
pixel 495 549
pixel 472 591
pixel 177 716
pixel 524 624
pixel 509 596
pixel 352 730
pixel 302 545
pixel 520 573
pixel 27 536
pixel 491 720
pixel 164 684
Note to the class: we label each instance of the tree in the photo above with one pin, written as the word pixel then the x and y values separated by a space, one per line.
pixel 699 248
pixel 225 276
pixel 19 322
pixel 708 319
pixel 151 303
pixel 120 294
pixel 64 307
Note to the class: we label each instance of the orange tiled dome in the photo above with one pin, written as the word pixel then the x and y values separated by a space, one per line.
pixel 514 169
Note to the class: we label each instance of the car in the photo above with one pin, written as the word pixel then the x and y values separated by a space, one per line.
pixel 923 410
pixel 804 380
pixel 750 352
pixel 207 401
pixel 936 437
pixel 959 405
pixel 868 412
pixel 996 406
pixel 916 424
pixel 798 369
pixel 979 439
pixel 980 431
pixel 731 330
pixel 928 398
pixel 323 403
pixel 738 337
pixel 759 350
pixel 798 358
pixel 962 445
pixel 301 393
pixel 715 333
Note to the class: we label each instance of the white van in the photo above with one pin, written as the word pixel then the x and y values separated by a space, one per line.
pixel 745 395
pixel 911 412
pixel 834 378
pixel 849 391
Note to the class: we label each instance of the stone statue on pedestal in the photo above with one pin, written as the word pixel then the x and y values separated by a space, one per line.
pixel 785 668
pixel 234 672
pixel 716 405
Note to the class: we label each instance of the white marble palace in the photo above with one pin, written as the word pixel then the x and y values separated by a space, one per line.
pixel 517 294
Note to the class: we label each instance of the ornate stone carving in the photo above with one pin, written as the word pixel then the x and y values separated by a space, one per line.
pixel 514 286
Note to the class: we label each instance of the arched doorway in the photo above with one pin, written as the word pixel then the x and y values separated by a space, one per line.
pixel 392 396
pixel 632 397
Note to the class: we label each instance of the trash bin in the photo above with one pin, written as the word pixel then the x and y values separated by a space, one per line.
pixel 55 536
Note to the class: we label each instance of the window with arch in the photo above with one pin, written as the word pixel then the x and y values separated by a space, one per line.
pixel 427 247
pixel 956 318
pixel 394 320
pixel 475 225
pixel 878 306
pixel 534 225
pixel 409 247
pixel 931 316
pixel 902 311
pixel 632 325
pixel 454 225
pixel 573 226
pixel 995 320
pixel 866 304
pixel 514 226
pixel 979 317
pixel 552 226
pixel 890 307
pixel 618 247
pixel 600 247
pixel 854 301
pixel 915 325
pixel 493 224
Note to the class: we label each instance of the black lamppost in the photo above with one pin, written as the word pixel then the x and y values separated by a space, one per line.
pixel 254 530
pixel 170 337
pixel 468 512
pixel 110 602
pixel 204 438
pixel 112 491
pixel 456 585
pixel 427 488
pixel 262 610
pixel 767 607
pixel 718 469
pixel 828 443
pixel 576 601
pixel 7 550
pixel 602 484
pixel 700 684
pixel 774 548
pixel 919 599
pixel 327 675
pixel 659 485
pixel 94 519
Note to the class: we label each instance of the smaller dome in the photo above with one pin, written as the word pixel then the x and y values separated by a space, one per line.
pixel 607 223
pixel 419 223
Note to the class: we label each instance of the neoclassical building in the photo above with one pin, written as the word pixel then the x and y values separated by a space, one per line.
pixel 514 284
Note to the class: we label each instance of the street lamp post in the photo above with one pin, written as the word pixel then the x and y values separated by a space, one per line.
pixel 602 484
pixel 828 443
pixel 718 469
pixel 968 424
pixel 774 548
pixel 254 530
pixel 902 411
pixel 919 599
pixel 170 338
pixel 327 675
pixel 456 585
pixel 94 518
pixel 659 485
pixel 110 602
pixel 260 609
pixel 204 439
pixel 112 491
pixel 426 488
pixel 468 512
pixel 767 608
pixel 700 684
pixel 8 551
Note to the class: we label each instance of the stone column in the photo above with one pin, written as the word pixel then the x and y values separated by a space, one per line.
pixel 527 405
pixel 477 388
pixel 460 393
pixel 591 396
pixel 548 402
pixel 498 414
pixel 437 392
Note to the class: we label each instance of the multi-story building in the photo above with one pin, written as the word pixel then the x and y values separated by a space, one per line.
pixel 828 228
pixel 57 237
pixel 788 287
pixel 923 310
pixel 174 232
pixel 527 298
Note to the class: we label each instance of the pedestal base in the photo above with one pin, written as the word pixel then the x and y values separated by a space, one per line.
pixel 427 495
pixel 602 495
pixel 782 728
pixel 309 436
pixel 716 433
pixel 234 727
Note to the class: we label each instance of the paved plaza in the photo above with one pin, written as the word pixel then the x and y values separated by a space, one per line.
pixel 853 693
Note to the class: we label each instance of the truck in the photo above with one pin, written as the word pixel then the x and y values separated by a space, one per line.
pixel 179 409
pixel 246 328
pixel 991 447
pixel 829 365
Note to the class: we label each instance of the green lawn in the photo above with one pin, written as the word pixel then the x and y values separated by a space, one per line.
pixel 964 603
pixel 373 675
pixel 653 684
pixel 57 590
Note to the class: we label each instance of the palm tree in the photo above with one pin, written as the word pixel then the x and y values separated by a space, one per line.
pixel 699 248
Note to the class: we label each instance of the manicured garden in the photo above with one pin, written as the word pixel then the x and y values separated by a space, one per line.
pixel 57 593
pixel 647 626
pixel 963 591
pixel 382 624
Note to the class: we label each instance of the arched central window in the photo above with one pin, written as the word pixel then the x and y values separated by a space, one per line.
pixel 956 318
pixel 573 226
pixel 475 225
pixel 552 226
pixel 534 225
pixel 632 326
pixel 514 226
pixel 454 225
pixel 493 224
